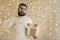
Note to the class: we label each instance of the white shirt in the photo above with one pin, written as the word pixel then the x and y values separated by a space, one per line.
pixel 19 26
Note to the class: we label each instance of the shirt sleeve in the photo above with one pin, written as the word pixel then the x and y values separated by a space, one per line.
pixel 29 23
pixel 8 23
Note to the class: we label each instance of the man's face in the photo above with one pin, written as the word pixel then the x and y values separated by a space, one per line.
pixel 22 11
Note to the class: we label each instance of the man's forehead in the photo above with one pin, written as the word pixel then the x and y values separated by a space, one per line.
pixel 22 7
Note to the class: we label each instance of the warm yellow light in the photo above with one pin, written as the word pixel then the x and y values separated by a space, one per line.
pixel 1 13
pixel 55 11
pixel 33 7
pixel 5 17
pixel 0 22
pixel 9 4
pixel 55 1
pixel 14 0
pixel 56 24
pixel 8 30
pixel 30 3
pixel 8 14
pixel 1 33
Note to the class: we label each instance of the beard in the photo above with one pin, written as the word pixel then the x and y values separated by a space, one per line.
pixel 21 13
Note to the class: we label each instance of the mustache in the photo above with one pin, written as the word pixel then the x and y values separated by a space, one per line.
pixel 21 13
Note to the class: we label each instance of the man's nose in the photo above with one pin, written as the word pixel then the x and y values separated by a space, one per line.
pixel 22 10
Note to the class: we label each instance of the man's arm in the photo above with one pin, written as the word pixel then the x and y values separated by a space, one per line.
pixel 8 23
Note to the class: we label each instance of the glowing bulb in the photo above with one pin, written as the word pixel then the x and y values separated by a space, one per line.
pixel 14 0
pixel 30 3
pixel 1 13
pixel 9 4
pixel 55 1
pixel 55 11
pixel 0 22
pixel 33 7
pixel 8 14
pixel 56 24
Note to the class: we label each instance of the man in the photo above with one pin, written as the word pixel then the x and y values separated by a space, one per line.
pixel 20 22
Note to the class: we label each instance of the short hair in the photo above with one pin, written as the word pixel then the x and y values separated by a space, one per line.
pixel 22 4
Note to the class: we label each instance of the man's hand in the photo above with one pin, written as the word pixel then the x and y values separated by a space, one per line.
pixel 35 37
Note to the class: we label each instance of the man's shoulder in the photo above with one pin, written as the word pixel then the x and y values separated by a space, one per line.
pixel 29 19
